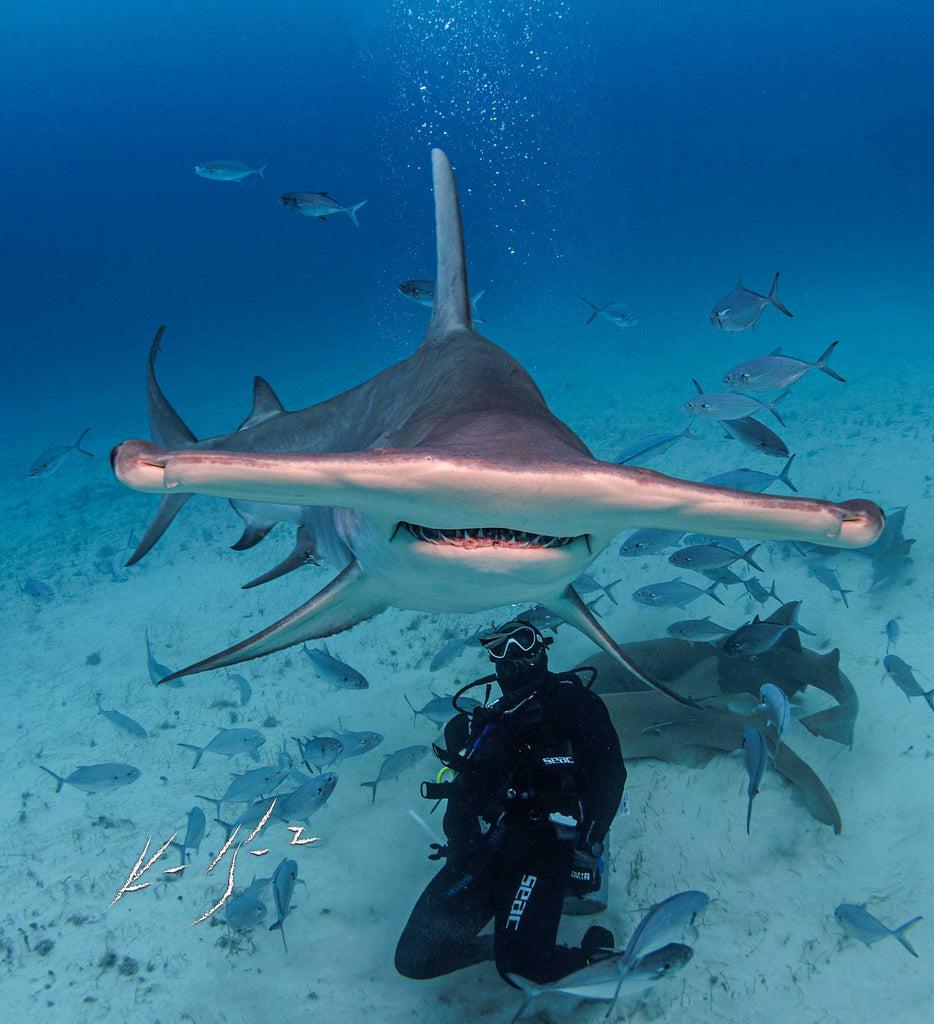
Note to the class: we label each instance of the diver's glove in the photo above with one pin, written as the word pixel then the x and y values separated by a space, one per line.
pixel 440 851
pixel 586 873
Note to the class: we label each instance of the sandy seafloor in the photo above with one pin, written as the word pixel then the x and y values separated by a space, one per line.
pixel 769 946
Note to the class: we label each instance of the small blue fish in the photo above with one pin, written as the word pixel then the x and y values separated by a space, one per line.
pixel 396 763
pixel 318 204
pixel 902 674
pixel 194 833
pixel 356 743
pixel 697 630
pixel 652 446
pixel 729 405
pixel 649 542
pixel 242 685
pixel 319 752
pixel 334 671
pixel 311 796
pixel 673 594
pixel 755 435
pixel 777 708
pixel 615 312
pixel 283 885
pixel 53 457
pixel 229 170
pixel 757 759
pixel 752 480
pixel 228 743
pixel 246 911
pixel 97 778
pixel 858 923
pixel 711 556
pixel 123 721
pixel 824 574
pixel 758 593
pixel 158 672
pixel 741 308
pixel 891 633
pixel 776 372
pixel 40 592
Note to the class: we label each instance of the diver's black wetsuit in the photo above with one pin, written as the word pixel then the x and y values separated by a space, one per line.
pixel 554 751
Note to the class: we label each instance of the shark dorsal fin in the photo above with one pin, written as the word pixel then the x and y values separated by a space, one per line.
pixel 451 309
pixel 265 404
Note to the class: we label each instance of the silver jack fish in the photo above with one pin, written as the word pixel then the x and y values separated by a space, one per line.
pixel 229 170
pixel 318 204
pixel 742 308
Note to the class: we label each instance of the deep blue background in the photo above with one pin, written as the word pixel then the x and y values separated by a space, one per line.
pixel 648 157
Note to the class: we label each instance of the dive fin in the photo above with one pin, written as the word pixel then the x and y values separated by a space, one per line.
pixel 348 599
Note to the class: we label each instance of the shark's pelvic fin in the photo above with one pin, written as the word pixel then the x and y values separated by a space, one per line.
pixel 573 610
pixel 451 310
pixel 348 599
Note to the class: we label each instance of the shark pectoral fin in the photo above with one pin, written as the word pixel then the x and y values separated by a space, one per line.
pixel 169 507
pixel 348 599
pixel 573 610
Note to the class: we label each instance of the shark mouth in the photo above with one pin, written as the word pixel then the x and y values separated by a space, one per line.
pixel 486 537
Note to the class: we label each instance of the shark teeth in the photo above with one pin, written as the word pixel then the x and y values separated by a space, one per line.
pixel 485 536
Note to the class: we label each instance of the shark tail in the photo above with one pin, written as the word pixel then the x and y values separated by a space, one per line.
pixel 899 934
pixel 773 298
pixel 348 599
pixel 352 212
pixel 821 364
pixel 573 610
pixel 168 428
pixel 451 308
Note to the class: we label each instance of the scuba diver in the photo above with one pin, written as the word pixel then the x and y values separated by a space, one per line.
pixel 538 778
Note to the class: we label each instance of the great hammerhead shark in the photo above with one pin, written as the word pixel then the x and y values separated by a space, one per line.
pixel 444 483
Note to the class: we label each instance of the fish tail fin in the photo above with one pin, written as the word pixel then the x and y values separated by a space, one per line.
pixel 771 407
pixel 209 799
pixel 59 781
pixel 899 934
pixel 747 557
pixel 260 175
pixel 929 699
pixel 529 989
pixel 596 309
pixel 710 591
pixel 821 364
pixel 352 212
pixel 783 476
pixel 749 813
pixel 373 784
pixel 608 590
pixel 843 593
pixel 199 752
pixel 688 433
pixel 77 444
pixel 773 298
pixel 412 706
pixel 278 927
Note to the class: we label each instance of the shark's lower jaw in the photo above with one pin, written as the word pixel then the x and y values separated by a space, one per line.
pixel 485 537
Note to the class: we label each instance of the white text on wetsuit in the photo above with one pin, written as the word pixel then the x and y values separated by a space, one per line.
pixel 523 894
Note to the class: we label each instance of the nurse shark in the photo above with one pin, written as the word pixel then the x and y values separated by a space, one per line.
pixel 442 484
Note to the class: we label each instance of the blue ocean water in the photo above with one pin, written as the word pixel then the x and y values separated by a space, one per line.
pixel 606 150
